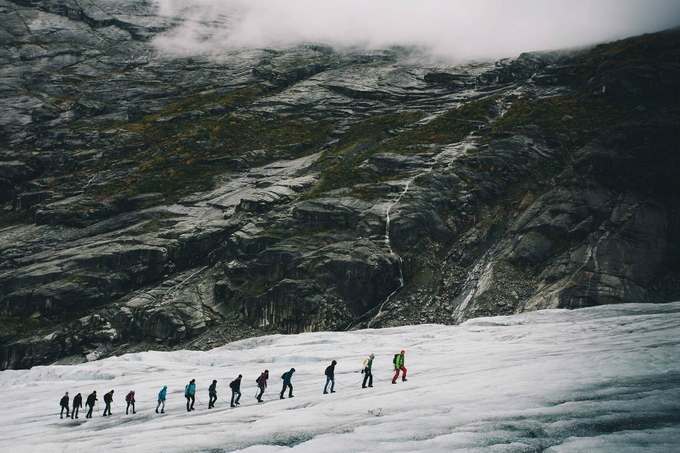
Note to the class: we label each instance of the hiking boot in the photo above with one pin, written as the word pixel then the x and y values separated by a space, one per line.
pixel 290 396
pixel 404 380
pixel 233 405
pixel 325 393
pixel 332 391
pixel 363 386
pixel 394 382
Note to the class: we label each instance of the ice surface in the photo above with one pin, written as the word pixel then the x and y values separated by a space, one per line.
pixel 603 379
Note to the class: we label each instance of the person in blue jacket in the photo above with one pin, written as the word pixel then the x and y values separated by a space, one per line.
pixel 161 399
pixel 190 394
pixel 287 376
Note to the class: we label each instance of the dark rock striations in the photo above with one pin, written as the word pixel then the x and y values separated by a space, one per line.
pixel 152 201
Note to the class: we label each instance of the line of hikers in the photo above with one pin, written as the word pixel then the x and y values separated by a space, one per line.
pixel 235 386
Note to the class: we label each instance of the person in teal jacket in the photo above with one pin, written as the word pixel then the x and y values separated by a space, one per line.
pixel 287 376
pixel 161 399
pixel 399 366
pixel 190 394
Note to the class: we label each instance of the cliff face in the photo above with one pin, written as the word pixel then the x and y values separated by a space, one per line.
pixel 158 202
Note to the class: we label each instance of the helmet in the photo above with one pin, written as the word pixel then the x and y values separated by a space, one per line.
pixel 403 352
pixel 372 356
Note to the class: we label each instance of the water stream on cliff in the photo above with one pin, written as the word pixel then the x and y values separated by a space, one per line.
pixel 449 152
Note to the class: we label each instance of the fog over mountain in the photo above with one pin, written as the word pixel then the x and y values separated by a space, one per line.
pixel 459 29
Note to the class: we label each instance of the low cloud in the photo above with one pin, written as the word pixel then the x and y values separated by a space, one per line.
pixel 458 29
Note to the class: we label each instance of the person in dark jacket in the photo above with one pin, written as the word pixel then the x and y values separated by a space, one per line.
pixel 77 403
pixel 130 400
pixel 212 394
pixel 108 399
pixel 330 377
pixel 64 405
pixel 287 376
pixel 190 394
pixel 368 371
pixel 235 390
pixel 91 398
pixel 262 384
pixel 161 399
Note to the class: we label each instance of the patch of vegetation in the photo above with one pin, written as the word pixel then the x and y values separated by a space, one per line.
pixel 340 164
pixel 181 149
pixel 562 115
pixel 451 127
pixel 12 218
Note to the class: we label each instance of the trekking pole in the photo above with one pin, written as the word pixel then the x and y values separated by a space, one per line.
pixel 199 401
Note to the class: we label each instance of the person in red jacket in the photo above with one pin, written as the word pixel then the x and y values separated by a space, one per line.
pixel 130 400
pixel 399 366
pixel 262 384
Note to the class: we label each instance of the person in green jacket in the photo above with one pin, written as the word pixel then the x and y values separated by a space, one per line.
pixel 368 375
pixel 399 366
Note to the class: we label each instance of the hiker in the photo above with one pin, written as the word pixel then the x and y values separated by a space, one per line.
pixel 190 394
pixel 212 394
pixel 64 405
pixel 77 403
pixel 91 398
pixel 330 377
pixel 399 366
pixel 130 400
pixel 235 386
pixel 367 371
pixel 161 399
pixel 108 399
pixel 287 376
pixel 262 384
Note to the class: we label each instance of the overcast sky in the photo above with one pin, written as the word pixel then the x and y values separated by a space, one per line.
pixel 461 29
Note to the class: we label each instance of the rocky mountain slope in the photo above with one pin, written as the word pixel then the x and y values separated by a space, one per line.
pixel 155 202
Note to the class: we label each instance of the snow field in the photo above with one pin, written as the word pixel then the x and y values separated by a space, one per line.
pixel 596 379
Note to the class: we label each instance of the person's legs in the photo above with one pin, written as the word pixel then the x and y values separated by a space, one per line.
pixel 403 375
pixel 259 396
pixel 332 385
pixel 188 402
pixel 396 375
pixel 193 400
pixel 290 392
pixel 282 391
pixel 370 379
pixel 233 395
pixel 325 387
pixel 238 398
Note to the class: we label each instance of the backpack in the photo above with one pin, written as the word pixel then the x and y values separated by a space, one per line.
pixel 186 390
pixel 394 360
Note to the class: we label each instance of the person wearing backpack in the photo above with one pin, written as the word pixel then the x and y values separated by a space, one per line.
pixel 91 398
pixel 287 376
pixel 190 394
pixel 262 384
pixel 64 405
pixel 77 403
pixel 161 399
pixel 399 366
pixel 212 394
pixel 130 400
pixel 330 377
pixel 235 386
pixel 108 399
pixel 367 371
